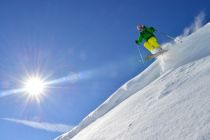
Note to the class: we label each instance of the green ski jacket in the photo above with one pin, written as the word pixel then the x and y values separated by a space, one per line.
pixel 146 34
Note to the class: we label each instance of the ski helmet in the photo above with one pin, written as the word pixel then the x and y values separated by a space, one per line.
pixel 140 27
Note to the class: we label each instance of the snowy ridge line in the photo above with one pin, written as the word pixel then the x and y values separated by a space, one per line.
pixel 178 55
pixel 173 107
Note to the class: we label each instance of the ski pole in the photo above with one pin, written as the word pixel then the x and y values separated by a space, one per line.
pixel 174 39
pixel 140 54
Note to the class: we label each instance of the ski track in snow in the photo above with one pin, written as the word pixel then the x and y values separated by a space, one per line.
pixel 169 100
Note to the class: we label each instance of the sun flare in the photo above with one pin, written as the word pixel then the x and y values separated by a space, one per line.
pixel 35 86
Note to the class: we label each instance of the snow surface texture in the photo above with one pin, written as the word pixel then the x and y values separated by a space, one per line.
pixel 170 99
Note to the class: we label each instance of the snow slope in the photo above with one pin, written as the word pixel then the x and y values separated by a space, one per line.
pixel 169 100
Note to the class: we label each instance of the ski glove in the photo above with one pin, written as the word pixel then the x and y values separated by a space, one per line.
pixel 137 42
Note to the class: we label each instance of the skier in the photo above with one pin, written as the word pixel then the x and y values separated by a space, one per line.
pixel 151 44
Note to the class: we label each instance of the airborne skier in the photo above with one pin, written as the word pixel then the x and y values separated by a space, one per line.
pixel 151 44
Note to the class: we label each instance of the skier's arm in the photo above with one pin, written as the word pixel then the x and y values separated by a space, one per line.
pixel 139 40
pixel 151 29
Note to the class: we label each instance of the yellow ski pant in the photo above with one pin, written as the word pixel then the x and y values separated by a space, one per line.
pixel 151 44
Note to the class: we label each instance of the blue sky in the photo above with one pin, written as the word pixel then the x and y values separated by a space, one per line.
pixel 58 39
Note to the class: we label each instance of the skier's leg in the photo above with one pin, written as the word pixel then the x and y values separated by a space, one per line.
pixel 148 46
pixel 154 43
pixel 156 47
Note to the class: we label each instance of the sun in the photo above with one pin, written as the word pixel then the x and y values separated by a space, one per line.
pixel 34 86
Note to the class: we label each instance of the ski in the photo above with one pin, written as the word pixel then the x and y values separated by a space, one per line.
pixel 151 56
